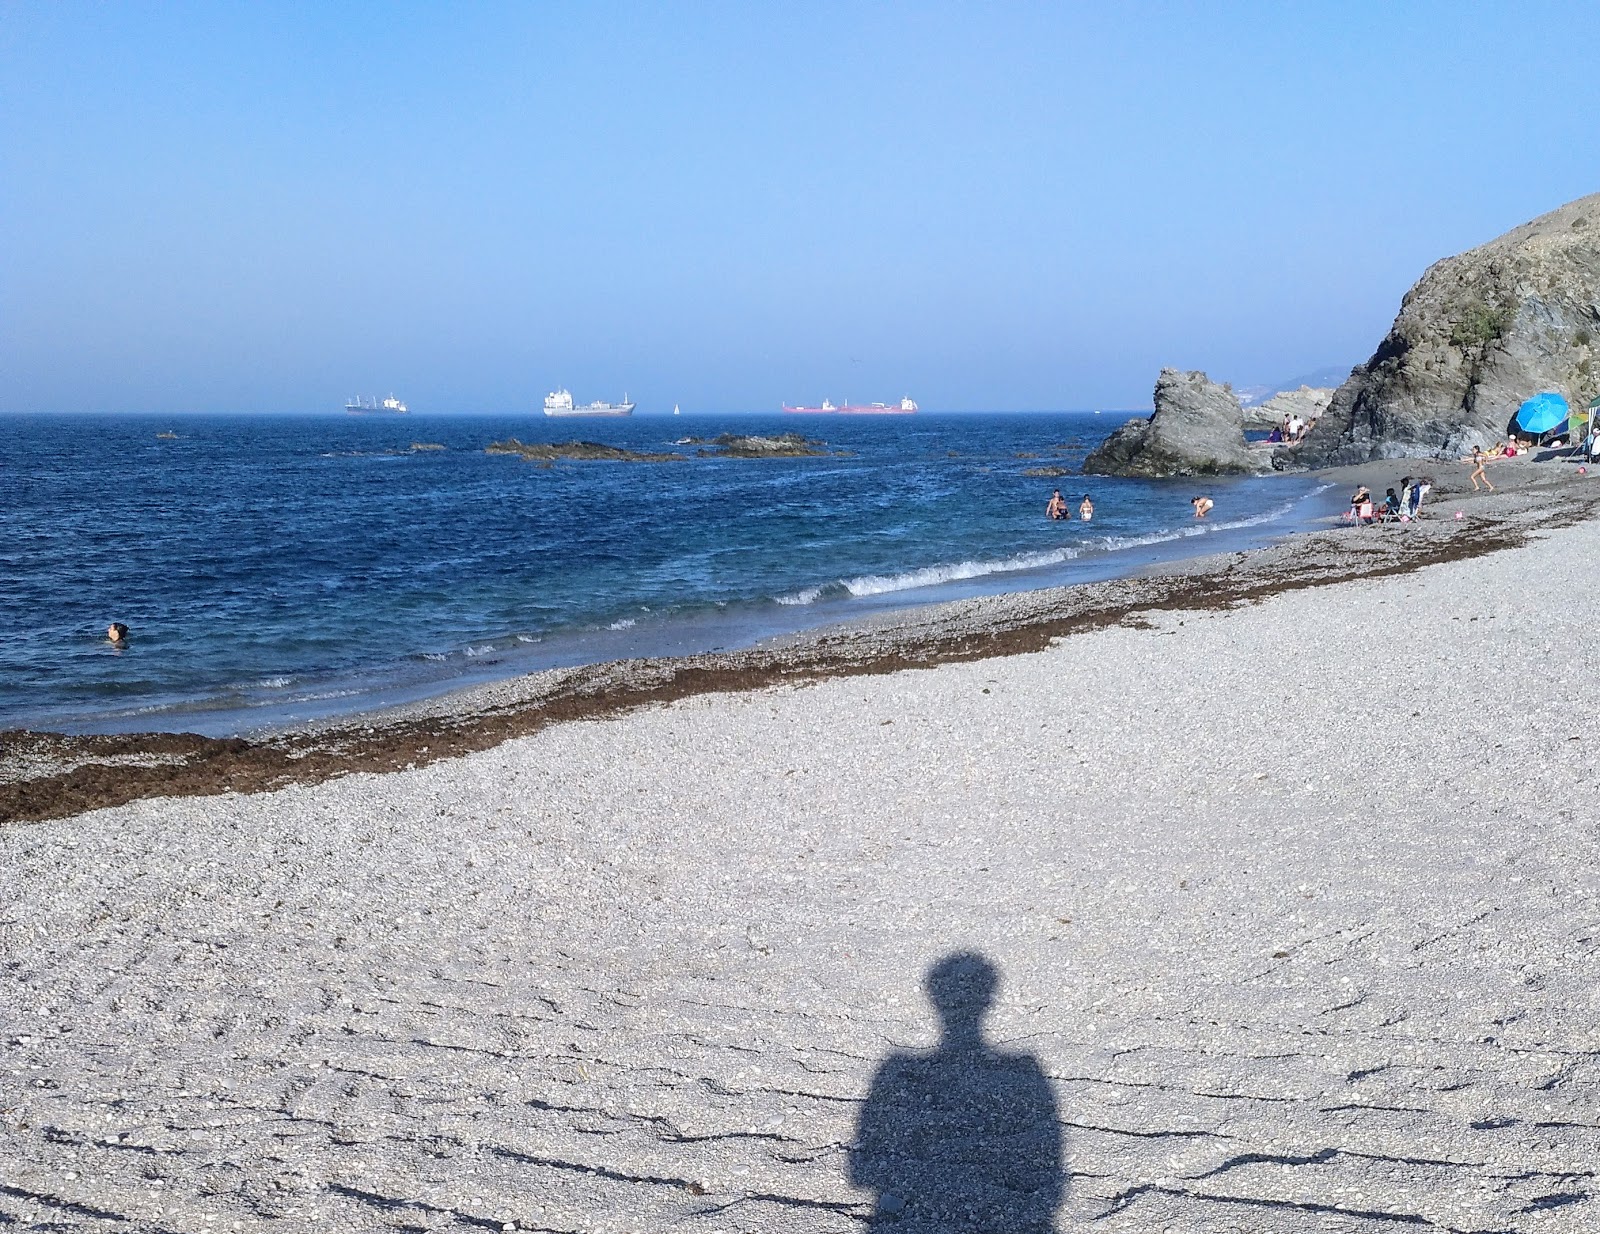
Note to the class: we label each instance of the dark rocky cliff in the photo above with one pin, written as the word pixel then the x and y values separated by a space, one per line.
pixel 1479 333
pixel 1197 430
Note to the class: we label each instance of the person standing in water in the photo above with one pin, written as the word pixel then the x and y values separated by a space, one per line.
pixel 1202 506
pixel 1057 508
pixel 1086 508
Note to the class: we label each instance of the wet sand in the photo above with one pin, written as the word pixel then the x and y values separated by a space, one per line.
pixel 1288 863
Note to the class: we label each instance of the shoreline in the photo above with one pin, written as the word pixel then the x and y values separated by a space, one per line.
pixel 47 775
pixel 273 641
pixel 1291 898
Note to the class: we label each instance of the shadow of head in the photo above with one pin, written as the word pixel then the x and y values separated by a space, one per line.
pixel 961 988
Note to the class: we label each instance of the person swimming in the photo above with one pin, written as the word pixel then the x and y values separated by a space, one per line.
pixel 117 634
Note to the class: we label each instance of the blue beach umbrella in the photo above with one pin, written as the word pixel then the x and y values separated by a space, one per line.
pixel 1542 413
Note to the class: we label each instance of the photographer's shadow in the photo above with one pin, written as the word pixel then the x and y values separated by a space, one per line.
pixel 963 1137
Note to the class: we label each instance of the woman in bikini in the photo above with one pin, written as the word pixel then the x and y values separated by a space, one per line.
pixel 1477 460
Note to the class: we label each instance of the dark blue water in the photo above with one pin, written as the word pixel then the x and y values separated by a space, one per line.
pixel 282 567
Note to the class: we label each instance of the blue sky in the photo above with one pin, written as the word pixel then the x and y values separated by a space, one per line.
pixel 262 207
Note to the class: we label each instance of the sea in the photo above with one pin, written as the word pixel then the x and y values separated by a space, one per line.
pixel 278 569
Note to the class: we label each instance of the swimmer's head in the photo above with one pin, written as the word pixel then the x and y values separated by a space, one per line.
pixel 117 632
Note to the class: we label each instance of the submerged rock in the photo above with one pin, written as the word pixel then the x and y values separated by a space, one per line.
pixel 1477 335
pixel 582 451
pixel 728 445
pixel 785 445
pixel 1197 430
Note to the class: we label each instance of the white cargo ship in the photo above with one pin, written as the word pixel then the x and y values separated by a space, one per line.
pixel 904 407
pixel 367 407
pixel 559 403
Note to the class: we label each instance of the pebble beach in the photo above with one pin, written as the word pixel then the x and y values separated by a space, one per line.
pixel 1292 892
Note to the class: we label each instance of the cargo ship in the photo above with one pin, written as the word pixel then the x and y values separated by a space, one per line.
pixel 369 407
pixel 559 403
pixel 903 408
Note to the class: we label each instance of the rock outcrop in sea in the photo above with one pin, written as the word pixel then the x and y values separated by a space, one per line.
pixel 1478 335
pixel 1197 430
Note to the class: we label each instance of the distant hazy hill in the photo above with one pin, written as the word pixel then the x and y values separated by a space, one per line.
pixel 1330 377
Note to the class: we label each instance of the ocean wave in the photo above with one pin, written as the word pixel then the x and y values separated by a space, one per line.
pixel 625 623
pixel 274 683
pixel 486 649
pixel 932 576
pixel 927 576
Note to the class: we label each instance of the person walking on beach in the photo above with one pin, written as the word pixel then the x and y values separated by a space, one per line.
pixel 1057 508
pixel 1477 461
pixel 1202 506
pixel 1086 508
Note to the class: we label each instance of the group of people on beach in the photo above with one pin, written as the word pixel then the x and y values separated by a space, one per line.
pixel 1291 431
pixel 1057 507
pixel 1396 507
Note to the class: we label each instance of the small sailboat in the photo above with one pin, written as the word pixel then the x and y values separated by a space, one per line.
pixel 675 410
